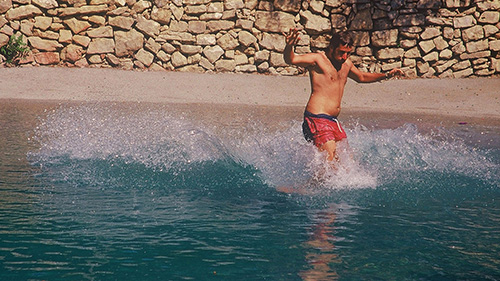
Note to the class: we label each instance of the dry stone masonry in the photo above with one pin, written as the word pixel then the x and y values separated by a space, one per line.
pixel 426 38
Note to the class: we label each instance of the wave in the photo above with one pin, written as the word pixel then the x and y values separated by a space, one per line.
pixel 102 143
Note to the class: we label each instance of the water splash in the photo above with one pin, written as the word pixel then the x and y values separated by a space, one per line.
pixel 165 141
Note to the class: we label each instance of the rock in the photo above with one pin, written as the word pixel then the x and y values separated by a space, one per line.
pixel 169 48
pixel 277 60
pixel 112 60
pixel 47 34
pixel 194 59
pixel 22 12
pixel 183 37
pixel 205 39
pixel 228 42
pixel 248 68
pixel 440 43
pixel 65 36
pixel 423 67
pixel 45 4
pixel 481 54
pixel 477 46
pixel 140 6
pixel 77 26
pixel 277 21
pixel 390 66
pixel 213 53
pixel 316 24
pixel 446 54
pixel 492 17
pixel 274 42
pixel 95 59
pixel 46 58
pixel 121 22
pixel 148 27
pixel 494 45
pixel 385 38
pixel 360 38
pixel 156 67
pixel 161 16
pixel 434 56
pixel 26 27
pixel 218 25
pixel 238 4
pixel 473 33
pixel 83 11
pixel 126 43
pixel 195 9
pixel 5 5
pixel 495 64
pixel 410 20
pixel 246 38
pixel 44 45
pixel 338 21
pixel 464 73
pixel 206 64
pixel 4 39
pixel 191 50
pixel 72 53
pixel 42 22
pixel 81 40
pixel 97 20
pixel 144 57
pixel 461 65
pixel 464 22
pixel 430 32
pixel 164 57
pixel 413 53
pixel 240 59
pixel 317 6
pixel 197 27
pixel 261 56
pixel 458 48
pixel 444 66
pixel 215 7
pixel 101 46
pixel 152 46
pixel 389 53
pixel 225 65
pixel 362 20
pixel 364 51
pixel 100 32
pixel 178 59
pixel 490 30
pixel 263 67
pixel 428 4
pixel 82 63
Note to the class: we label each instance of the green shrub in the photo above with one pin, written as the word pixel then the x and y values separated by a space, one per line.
pixel 16 48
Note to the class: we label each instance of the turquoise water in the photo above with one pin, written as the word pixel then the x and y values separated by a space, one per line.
pixel 149 192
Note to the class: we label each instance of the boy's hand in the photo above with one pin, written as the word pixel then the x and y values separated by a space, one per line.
pixel 292 37
pixel 396 72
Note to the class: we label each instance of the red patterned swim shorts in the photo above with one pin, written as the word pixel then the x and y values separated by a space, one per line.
pixel 321 128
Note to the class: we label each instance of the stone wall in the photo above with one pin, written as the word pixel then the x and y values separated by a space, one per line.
pixel 427 38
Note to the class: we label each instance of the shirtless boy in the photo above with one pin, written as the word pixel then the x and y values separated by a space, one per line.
pixel 328 72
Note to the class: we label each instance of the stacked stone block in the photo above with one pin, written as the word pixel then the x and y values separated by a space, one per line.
pixel 427 38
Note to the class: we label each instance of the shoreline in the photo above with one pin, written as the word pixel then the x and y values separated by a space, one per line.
pixel 476 98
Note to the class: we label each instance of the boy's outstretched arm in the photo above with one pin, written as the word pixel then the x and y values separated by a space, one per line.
pixel 367 77
pixel 305 60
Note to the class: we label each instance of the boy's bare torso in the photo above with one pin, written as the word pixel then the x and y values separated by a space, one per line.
pixel 327 86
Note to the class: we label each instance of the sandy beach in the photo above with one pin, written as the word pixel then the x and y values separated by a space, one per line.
pixel 459 98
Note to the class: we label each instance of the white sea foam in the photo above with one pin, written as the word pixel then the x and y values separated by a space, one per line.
pixel 161 140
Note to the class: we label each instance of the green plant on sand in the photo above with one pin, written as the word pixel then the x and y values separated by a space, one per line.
pixel 15 49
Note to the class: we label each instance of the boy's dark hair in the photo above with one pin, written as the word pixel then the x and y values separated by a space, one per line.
pixel 340 38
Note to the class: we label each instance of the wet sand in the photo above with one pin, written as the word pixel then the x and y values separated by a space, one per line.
pixel 469 99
